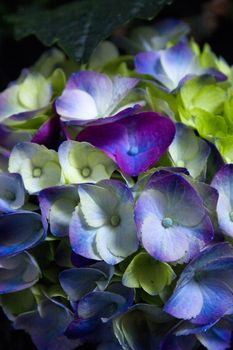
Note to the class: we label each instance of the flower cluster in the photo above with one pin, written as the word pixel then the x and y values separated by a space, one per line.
pixel 116 197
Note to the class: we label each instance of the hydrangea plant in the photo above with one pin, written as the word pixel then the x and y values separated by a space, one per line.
pixel 116 197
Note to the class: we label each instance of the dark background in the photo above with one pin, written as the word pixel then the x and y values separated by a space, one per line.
pixel 211 21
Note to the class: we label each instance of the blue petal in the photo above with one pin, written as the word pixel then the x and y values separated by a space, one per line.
pixel 78 282
pixel 47 325
pixel 18 272
pixel 11 192
pixel 19 231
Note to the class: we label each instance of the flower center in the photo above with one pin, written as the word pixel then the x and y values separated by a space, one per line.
pixel 167 222
pixel 115 220
pixel 86 172
pixel 133 151
pixel 231 216
pixel 37 172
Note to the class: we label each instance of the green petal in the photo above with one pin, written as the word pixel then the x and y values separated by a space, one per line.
pixel 147 273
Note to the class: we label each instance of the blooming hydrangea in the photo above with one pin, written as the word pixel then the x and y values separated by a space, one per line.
pixel 116 197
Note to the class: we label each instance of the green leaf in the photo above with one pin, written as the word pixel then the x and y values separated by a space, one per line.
pixel 79 26
pixel 149 274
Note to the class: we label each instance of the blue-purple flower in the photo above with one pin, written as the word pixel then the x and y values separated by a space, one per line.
pixel 171 219
pixel 89 96
pixel 102 226
pixel 203 293
pixel 172 66
pixel 134 143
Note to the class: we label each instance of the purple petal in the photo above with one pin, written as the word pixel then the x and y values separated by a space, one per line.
pixel 19 231
pixel 18 272
pixel 219 76
pixel 134 143
pixel 49 133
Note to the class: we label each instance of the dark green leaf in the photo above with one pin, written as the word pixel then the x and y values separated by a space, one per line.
pixel 78 27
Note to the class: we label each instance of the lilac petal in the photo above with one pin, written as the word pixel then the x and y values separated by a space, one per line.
pixel 97 85
pixel 134 143
pixel 145 62
pixel 171 219
pixel 47 325
pixel 78 282
pixel 121 88
pixel 223 182
pixel 48 134
pixel 86 95
pixel 89 96
pixel 19 231
pixel 178 62
pixel 57 205
pixel 185 303
pixel 12 193
pixel 18 272
pixel 76 104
